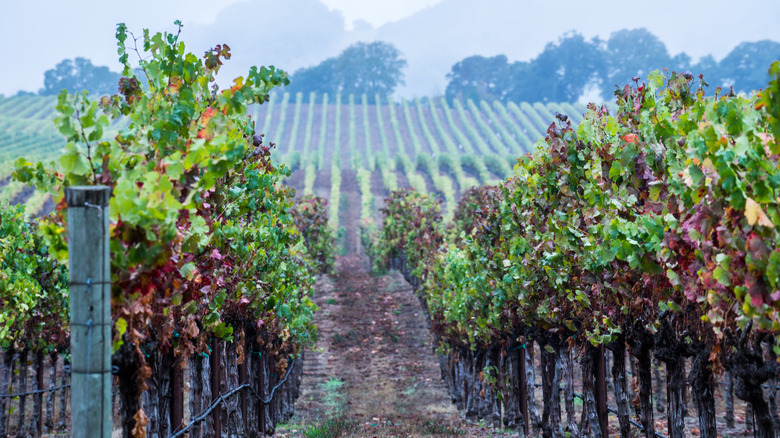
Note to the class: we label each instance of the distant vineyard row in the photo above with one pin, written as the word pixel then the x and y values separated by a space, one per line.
pixel 428 144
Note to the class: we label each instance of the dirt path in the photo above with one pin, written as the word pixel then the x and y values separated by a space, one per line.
pixel 373 364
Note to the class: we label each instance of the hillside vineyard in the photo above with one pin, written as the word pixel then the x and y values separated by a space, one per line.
pixel 428 144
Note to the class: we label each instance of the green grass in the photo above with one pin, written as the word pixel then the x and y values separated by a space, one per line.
pixel 330 428
pixel 333 395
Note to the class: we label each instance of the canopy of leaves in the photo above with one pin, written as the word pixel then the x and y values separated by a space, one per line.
pixel 33 287
pixel 362 68
pixel 566 69
pixel 665 214
pixel 203 241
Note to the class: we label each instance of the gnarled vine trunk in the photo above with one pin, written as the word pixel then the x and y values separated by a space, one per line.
pixel 126 360
pixel 703 385
pixel 548 375
pixel 22 387
pixel 591 425
pixel 568 379
pixel 670 351
pixel 729 395
pixel 750 371
pixel 641 342
pixel 620 384
pixel 536 419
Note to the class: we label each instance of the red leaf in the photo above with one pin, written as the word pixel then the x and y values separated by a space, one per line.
pixel 630 138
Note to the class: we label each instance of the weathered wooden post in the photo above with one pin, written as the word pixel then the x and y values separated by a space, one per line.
pixel 90 310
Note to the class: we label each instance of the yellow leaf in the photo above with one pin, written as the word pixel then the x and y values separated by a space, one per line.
pixel 754 213
pixel 686 176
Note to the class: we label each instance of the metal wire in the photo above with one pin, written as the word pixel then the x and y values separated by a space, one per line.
pixel 38 391
pixel 222 398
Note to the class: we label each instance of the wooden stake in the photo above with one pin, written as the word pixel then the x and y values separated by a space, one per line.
pixel 90 309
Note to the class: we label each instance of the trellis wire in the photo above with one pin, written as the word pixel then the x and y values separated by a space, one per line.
pixel 222 398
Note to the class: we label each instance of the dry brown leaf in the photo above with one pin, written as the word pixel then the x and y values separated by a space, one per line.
pixel 139 431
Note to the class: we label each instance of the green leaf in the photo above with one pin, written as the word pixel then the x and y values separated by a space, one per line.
pixel 188 270
pixel 695 173
pixel 73 161
pixel 654 193
pixel 121 326
pixel 616 170
pixel 773 269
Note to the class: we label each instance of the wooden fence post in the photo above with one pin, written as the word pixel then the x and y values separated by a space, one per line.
pixel 90 309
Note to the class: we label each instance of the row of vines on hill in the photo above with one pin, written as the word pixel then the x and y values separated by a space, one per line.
pixel 434 148
pixel 208 250
pixel 653 230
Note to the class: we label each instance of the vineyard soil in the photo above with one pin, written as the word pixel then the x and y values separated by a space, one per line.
pixel 373 363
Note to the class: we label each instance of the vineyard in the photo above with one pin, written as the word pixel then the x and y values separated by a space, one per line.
pixel 428 144
pixel 191 193
pixel 585 248
pixel 651 232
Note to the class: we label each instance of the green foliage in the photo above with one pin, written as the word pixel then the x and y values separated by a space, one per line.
pixel 330 428
pixel 195 196
pixel 412 229
pixel 566 68
pixel 290 155
pixel 356 161
pixel 323 134
pixel 664 214
pixel 366 197
pixel 370 160
pixel 370 68
pixel 335 195
pixel 311 219
pixel 33 288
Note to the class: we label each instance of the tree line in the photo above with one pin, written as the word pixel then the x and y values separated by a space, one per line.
pixel 566 70
pixel 572 66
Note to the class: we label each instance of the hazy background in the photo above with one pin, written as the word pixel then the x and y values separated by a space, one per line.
pixel 431 34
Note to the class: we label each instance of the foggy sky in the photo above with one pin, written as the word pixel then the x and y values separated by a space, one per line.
pixel 432 34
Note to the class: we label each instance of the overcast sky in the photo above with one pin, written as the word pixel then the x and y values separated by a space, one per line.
pixel 432 34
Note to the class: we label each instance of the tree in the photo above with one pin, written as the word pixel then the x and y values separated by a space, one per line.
pixel 745 67
pixel 631 53
pixel 479 78
pixel 77 75
pixel 561 72
pixel 370 68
